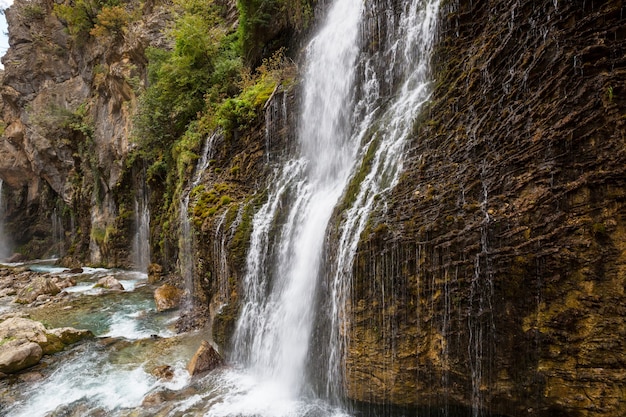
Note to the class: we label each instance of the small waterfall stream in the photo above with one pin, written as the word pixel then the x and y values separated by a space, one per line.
pixel 274 330
pixel 4 244
pixel 141 240
pixel 185 243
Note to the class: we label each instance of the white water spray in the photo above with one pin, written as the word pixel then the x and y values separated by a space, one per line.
pixel 273 334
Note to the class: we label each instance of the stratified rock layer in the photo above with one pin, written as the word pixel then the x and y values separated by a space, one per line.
pixel 496 278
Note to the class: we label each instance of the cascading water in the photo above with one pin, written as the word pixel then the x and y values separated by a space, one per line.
pixel 141 240
pixel 58 234
pixel 274 329
pixel 285 262
pixel 405 50
pixel 185 243
pixel 4 246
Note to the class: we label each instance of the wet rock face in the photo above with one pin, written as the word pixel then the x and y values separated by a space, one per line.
pixel 496 278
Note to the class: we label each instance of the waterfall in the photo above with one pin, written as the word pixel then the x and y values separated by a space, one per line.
pixel 141 240
pixel 4 245
pixel 185 243
pixel 273 333
pixel 58 234
pixel 348 92
pixel 406 50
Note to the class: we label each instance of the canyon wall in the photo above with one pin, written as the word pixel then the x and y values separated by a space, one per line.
pixel 495 278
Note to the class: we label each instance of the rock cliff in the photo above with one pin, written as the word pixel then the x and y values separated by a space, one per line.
pixel 496 278
pixel 67 105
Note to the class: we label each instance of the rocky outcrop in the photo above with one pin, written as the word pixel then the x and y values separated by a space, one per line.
pixel 495 280
pixel 67 104
pixel 23 342
pixel 167 297
pixel 205 359
pixel 40 285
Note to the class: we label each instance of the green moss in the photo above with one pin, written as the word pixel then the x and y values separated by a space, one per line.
pixel 355 183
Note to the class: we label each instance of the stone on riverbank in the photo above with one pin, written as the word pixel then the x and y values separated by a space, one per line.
pixel 109 283
pixel 23 342
pixel 167 297
pixel 40 285
pixel 16 355
pixel 206 359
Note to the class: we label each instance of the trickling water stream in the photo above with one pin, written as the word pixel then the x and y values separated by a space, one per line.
pixel 4 245
pixel 185 244
pixel 141 240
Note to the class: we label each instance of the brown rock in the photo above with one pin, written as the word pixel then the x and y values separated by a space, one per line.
pixel 40 285
pixel 18 354
pixel 70 335
pixel 167 297
pixel 155 272
pixel 31 377
pixel 16 257
pixel 75 271
pixel 206 359
pixel 163 372
pixel 109 283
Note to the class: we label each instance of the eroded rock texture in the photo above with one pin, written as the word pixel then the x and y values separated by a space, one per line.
pixel 67 104
pixel 496 278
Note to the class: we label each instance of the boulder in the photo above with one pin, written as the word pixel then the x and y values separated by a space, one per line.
pixel 19 354
pixel 75 271
pixel 164 372
pixel 19 336
pixel 70 335
pixel 40 285
pixel 167 297
pixel 206 359
pixel 109 283
pixel 16 257
pixel 20 328
pixel 155 272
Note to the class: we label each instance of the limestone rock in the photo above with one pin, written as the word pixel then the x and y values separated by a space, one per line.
pixel 70 335
pixel 19 334
pixel 167 297
pixel 206 359
pixel 20 328
pixel 40 285
pixel 16 257
pixel 17 355
pixel 109 283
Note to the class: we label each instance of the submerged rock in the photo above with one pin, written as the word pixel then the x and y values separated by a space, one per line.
pixel 109 283
pixel 163 372
pixel 206 359
pixel 167 297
